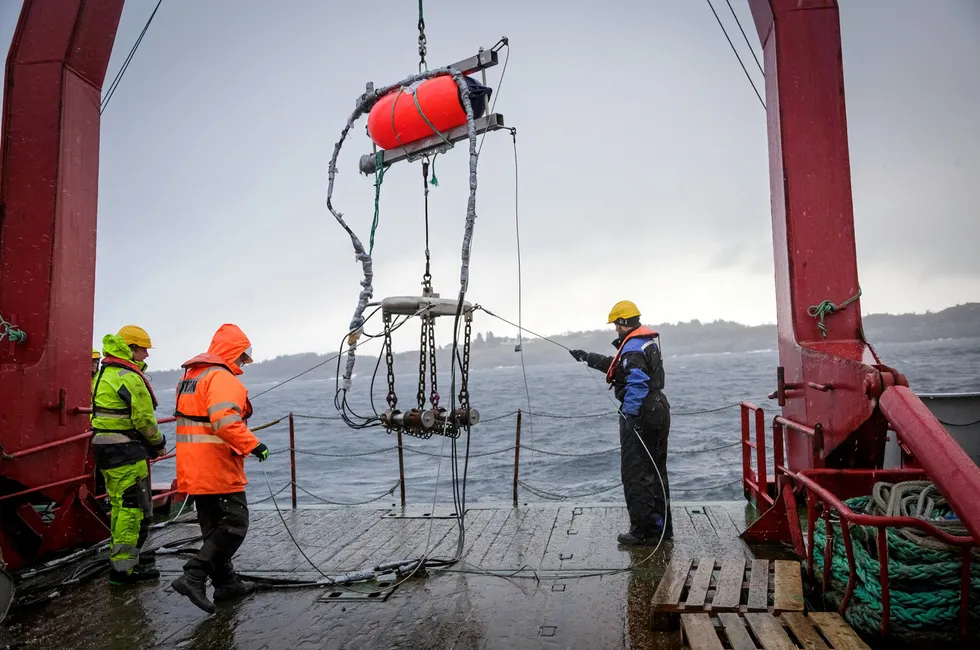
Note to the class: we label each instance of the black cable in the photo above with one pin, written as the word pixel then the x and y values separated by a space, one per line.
pixel 744 69
pixel 524 329
pixel 747 43
pixel 125 66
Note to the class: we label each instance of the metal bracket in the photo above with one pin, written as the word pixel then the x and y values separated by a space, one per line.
pixel 422 513
pixel 428 306
pixel 492 122
pixel 379 595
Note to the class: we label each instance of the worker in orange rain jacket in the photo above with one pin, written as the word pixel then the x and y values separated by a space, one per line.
pixel 212 441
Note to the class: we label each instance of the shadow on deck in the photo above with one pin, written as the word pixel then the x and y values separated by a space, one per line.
pixel 462 607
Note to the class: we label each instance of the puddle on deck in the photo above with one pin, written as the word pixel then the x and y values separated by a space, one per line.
pixel 445 609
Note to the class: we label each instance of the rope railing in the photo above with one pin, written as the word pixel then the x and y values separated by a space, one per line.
pixel 515 448
pixel 547 452
pixel 560 416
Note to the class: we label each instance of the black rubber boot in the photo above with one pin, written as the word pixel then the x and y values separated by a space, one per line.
pixel 195 590
pixel 629 539
pixel 120 578
pixel 236 588
pixel 145 571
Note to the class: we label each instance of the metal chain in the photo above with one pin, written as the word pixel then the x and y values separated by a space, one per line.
pixel 422 42
pixel 464 391
pixel 423 342
pixel 711 410
pixel 356 503
pixel 434 395
pixel 325 455
pixel 416 450
pixel 275 494
pixel 554 496
pixel 392 399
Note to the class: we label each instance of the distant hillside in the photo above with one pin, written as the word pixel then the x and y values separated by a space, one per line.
pixel 694 337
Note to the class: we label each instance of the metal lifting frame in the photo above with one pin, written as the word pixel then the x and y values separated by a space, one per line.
pixel 432 144
pixel 421 422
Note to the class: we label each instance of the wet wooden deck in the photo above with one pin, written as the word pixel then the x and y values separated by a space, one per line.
pixel 445 609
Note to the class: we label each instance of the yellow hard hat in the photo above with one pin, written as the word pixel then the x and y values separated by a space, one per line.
pixel 622 310
pixel 96 355
pixel 134 335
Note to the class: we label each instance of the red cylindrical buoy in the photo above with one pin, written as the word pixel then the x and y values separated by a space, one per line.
pixel 395 120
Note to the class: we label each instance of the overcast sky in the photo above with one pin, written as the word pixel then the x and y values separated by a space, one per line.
pixel 643 165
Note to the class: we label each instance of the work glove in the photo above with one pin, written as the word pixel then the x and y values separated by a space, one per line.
pixel 261 452
pixel 580 355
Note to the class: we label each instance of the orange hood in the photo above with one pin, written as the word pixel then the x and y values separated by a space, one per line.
pixel 227 345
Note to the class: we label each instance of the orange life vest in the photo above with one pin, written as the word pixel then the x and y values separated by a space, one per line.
pixel 212 409
pixel 642 330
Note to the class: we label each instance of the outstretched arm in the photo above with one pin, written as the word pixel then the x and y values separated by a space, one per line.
pixel 595 361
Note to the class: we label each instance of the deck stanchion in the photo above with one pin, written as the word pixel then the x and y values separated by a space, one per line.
pixel 517 453
pixel 292 456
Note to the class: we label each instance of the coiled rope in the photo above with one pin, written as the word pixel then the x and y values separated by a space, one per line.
pixel 924 573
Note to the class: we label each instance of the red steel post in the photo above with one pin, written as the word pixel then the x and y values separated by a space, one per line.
pixel 955 474
pixel 49 179
pixel 813 230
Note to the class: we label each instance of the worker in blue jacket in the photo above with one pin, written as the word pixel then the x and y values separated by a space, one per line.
pixel 636 373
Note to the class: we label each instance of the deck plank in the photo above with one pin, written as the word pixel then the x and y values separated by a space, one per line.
pixel 713 545
pixel 759 586
pixel 805 633
pixel 738 636
pixel 457 608
pixel 698 593
pixel 769 631
pixel 700 632
pixel 788 588
pixel 728 593
pixel 727 530
pixel 672 584
pixel 837 631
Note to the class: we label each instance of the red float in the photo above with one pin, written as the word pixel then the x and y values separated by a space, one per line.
pixel 397 120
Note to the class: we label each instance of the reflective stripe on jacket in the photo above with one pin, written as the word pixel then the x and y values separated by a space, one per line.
pixel 212 409
pixel 123 417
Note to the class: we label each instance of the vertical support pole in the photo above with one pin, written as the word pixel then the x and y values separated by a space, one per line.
pixel 517 453
pixel 292 456
pixel 401 467
pixel 811 522
pixel 746 454
pixel 760 450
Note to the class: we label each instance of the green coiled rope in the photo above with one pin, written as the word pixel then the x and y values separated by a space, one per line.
pixel 924 579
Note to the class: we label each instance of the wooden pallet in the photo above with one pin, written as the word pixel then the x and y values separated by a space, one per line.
pixel 731 584
pixel 754 630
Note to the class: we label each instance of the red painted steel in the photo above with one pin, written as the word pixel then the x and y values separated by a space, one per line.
pixel 954 473
pixel 48 193
pixel 834 391
pixel 813 233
